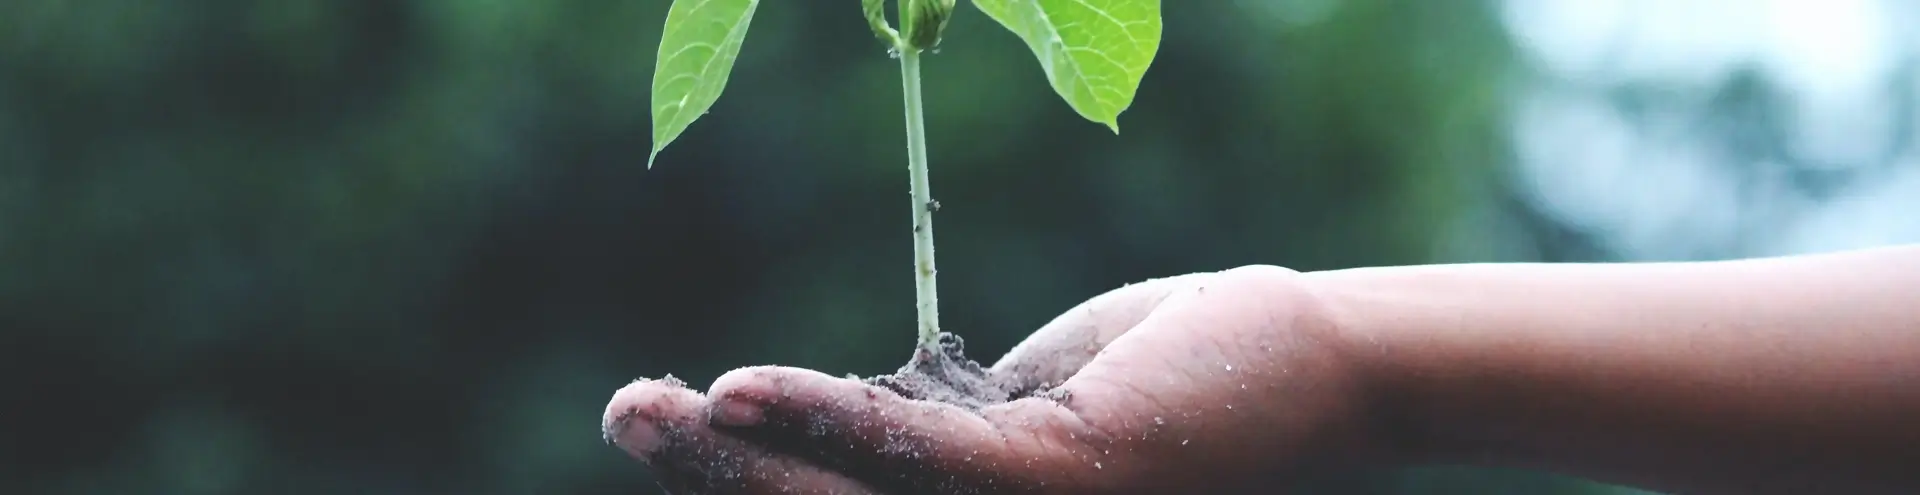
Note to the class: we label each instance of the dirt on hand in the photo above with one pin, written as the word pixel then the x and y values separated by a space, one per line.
pixel 949 377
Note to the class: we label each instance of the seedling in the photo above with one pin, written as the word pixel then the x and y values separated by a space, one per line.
pixel 1093 52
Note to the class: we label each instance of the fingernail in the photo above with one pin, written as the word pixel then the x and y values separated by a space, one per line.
pixel 737 413
pixel 635 435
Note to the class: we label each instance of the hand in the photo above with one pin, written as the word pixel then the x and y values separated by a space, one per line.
pixel 1202 383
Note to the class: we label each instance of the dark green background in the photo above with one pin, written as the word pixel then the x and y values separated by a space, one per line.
pixel 384 246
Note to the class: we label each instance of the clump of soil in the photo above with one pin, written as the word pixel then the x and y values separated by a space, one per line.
pixel 949 377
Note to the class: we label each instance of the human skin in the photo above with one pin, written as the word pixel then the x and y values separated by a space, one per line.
pixel 1783 375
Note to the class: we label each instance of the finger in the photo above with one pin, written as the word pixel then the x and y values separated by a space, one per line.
pixel 664 425
pixel 893 443
pixel 1060 348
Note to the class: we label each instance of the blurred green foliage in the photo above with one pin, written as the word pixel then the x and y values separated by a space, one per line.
pixel 378 246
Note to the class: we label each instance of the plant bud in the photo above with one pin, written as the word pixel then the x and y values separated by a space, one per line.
pixel 923 21
pixel 877 19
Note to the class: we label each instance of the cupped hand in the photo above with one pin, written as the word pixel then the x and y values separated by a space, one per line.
pixel 1203 383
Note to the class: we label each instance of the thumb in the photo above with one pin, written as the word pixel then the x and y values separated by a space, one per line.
pixel 1060 348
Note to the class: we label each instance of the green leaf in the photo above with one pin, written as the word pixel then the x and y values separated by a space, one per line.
pixel 1093 51
pixel 697 50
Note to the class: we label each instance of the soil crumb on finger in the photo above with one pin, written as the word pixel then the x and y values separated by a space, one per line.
pixel 622 409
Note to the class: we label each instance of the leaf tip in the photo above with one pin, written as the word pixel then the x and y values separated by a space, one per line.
pixel 651 157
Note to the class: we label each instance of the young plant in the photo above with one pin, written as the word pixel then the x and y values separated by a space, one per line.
pixel 1093 52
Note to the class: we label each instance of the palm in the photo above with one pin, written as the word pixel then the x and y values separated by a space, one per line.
pixel 1208 380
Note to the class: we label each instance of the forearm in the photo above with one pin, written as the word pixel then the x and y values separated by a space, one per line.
pixel 1790 375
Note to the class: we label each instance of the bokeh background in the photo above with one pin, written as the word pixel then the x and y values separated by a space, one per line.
pixel 412 246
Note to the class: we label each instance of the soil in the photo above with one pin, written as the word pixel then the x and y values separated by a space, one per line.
pixel 949 377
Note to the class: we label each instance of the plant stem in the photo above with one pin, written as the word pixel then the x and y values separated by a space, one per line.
pixel 925 294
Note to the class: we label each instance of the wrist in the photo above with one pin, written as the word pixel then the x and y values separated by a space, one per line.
pixel 1322 400
pixel 1389 336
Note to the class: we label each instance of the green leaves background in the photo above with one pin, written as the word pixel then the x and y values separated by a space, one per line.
pixel 405 246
